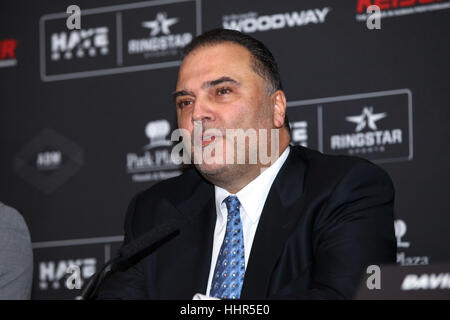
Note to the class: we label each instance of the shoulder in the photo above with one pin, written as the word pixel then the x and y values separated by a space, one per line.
pixel 335 163
pixel 162 201
pixel 174 190
pixel 328 171
pixel 12 222
pixel 16 255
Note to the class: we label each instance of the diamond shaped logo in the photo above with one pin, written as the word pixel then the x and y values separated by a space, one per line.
pixel 48 161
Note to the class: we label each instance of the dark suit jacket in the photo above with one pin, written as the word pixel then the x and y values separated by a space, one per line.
pixel 326 219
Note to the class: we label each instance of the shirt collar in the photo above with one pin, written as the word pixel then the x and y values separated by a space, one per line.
pixel 253 196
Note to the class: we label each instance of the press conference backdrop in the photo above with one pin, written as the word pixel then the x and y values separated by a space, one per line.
pixel 86 115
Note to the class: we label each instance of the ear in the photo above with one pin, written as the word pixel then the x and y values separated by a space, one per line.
pixel 278 100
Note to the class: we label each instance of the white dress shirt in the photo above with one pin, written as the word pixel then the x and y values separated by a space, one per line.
pixel 252 198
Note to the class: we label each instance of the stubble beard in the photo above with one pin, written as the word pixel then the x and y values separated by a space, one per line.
pixel 225 174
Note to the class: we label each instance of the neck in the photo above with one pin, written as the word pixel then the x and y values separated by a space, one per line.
pixel 240 180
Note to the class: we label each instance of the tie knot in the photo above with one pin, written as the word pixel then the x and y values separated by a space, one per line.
pixel 232 203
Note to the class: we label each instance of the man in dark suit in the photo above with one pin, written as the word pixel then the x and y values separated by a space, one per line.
pixel 304 226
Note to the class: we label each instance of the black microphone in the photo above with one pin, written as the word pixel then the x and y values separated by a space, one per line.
pixel 149 240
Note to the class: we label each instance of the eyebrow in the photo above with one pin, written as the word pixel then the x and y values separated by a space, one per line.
pixel 182 93
pixel 205 85
pixel 213 83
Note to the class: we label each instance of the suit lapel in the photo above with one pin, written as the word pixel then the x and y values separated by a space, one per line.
pixel 282 208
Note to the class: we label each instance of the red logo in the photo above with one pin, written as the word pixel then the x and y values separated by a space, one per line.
pixel 8 52
pixel 8 49
pixel 390 4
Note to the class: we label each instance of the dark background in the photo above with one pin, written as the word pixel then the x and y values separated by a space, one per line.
pixel 76 210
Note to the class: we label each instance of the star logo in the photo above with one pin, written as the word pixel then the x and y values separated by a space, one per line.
pixel 160 24
pixel 367 118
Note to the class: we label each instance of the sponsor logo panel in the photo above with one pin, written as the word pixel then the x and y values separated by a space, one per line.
pixel 376 128
pixel 157 34
pixel 427 281
pixel 51 267
pixel 250 22
pixel 376 125
pixel 87 49
pixel 54 261
pixel 117 39
pixel 403 244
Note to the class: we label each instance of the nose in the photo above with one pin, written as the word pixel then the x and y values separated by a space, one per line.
pixel 202 111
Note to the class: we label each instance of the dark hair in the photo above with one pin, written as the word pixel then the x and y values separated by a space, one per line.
pixel 263 62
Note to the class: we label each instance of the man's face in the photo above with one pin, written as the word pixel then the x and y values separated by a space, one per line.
pixel 218 89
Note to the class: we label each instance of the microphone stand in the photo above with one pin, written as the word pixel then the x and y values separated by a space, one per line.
pixel 153 238
pixel 91 287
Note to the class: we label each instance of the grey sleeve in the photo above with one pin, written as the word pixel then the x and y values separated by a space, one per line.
pixel 16 256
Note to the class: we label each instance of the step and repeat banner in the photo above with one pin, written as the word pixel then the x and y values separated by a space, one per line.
pixel 86 114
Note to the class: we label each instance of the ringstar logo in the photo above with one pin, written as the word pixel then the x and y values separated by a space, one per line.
pixel 161 41
pixel 52 274
pixel 8 53
pixel 160 24
pixel 156 162
pixel 79 43
pixel 374 125
pixel 393 8
pixel 252 22
pixel 370 141
pixel 367 118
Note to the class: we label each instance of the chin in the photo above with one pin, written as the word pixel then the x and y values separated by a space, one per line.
pixel 212 170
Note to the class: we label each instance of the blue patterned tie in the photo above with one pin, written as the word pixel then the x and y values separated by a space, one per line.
pixel 230 267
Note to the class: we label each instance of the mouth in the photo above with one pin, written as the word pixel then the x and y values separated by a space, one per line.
pixel 207 139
